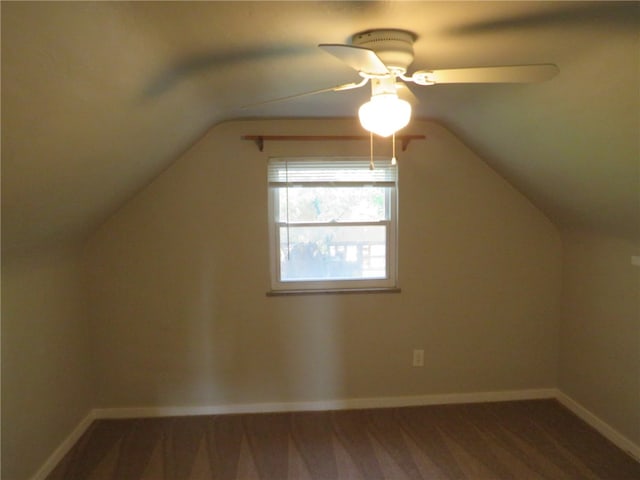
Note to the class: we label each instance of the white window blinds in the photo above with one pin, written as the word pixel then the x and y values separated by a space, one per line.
pixel 300 171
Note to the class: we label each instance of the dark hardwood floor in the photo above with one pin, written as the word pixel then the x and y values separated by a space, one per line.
pixel 508 440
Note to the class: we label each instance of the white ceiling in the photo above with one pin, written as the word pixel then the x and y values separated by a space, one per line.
pixel 99 98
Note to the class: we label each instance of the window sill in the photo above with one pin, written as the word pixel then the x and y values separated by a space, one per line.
pixel 286 293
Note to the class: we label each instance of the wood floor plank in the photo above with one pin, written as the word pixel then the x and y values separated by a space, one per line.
pixel 297 466
pixel 101 441
pixel 482 417
pixel 137 447
pixel 524 440
pixel 421 425
pixel 268 436
pixel 386 430
pixel 183 442
pixel 350 428
pixel 312 436
pixel 224 443
pixel 520 420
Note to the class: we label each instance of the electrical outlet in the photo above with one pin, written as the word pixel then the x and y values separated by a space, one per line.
pixel 418 358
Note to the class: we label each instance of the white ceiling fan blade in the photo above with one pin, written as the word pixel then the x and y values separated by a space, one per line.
pixel 405 93
pixel 337 88
pixel 360 58
pixel 510 74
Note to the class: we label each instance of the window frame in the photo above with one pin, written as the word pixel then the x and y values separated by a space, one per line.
pixel 388 283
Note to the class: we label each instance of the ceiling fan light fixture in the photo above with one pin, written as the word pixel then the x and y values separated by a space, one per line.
pixel 384 114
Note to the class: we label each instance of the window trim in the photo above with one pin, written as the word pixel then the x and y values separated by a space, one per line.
pixel 387 284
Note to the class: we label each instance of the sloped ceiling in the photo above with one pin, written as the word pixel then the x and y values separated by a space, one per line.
pixel 99 98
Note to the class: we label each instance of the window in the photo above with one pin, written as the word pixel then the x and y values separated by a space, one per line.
pixel 332 224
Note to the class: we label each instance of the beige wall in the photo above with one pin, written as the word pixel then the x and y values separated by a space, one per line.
pixel 600 329
pixel 179 275
pixel 179 317
pixel 46 388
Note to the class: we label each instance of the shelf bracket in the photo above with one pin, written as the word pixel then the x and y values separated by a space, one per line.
pixel 258 139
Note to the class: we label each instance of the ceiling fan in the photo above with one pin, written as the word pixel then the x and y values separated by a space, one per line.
pixel 382 57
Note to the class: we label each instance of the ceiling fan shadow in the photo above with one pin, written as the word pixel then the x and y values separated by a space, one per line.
pixel 606 14
pixel 201 63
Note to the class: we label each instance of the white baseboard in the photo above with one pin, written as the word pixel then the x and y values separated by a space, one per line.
pixel 343 404
pixel 600 425
pixel 59 453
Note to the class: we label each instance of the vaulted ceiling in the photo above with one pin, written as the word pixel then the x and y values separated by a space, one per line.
pixel 98 98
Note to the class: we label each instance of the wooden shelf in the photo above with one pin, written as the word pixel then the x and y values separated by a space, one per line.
pixel 260 139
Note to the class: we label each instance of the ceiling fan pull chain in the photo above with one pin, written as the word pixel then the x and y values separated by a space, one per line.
pixel 393 144
pixel 371 165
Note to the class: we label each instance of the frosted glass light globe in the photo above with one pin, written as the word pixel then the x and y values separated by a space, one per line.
pixel 384 114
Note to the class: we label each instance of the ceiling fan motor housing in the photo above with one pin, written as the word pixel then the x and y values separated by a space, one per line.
pixel 394 47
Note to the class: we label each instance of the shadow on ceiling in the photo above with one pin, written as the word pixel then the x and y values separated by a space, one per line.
pixel 200 63
pixel 606 14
